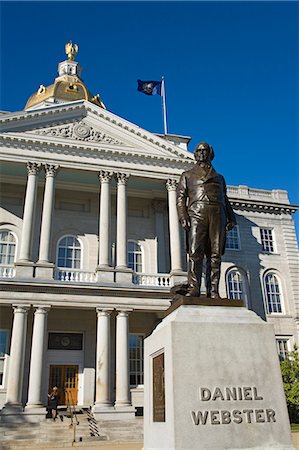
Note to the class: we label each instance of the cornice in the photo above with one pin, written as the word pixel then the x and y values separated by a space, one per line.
pixel 87 107
pixel 259 206
pixel 102 151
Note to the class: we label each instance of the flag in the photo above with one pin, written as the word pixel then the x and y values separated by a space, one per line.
pixel 149 87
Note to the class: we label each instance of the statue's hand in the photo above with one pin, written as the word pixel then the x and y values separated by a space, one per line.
pixel 230 226
pixel 185 224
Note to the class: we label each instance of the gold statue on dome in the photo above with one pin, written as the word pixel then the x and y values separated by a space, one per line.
pixel 71 50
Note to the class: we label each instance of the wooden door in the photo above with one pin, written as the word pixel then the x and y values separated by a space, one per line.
pixel 65 377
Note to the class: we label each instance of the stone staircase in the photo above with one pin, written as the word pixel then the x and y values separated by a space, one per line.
pixel 81 430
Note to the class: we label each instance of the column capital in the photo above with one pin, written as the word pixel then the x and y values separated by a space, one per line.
pixel 159 206
pixel 122 178
pixel 41 309
pixel 51 170
pixel 105 176
pixel 33 168
pixel 104 311
pixel 21 309
pixel 171 184
pixel 124 312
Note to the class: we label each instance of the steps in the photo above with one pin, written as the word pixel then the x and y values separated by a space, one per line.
pixel 64 432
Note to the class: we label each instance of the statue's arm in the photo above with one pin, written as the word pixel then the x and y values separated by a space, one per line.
pixel 181 202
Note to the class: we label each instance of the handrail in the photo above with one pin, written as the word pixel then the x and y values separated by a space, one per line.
pixel 71 406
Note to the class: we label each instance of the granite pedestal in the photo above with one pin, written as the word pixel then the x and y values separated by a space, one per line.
pixel 213 381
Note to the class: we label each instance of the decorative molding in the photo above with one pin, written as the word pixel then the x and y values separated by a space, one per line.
pixel 79 131
pixel 105 176
pixel 51 170
pixel 171 184
pixel 33 168
pixel 122 178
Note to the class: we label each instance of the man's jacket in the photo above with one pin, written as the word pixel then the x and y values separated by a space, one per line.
pixel 199 186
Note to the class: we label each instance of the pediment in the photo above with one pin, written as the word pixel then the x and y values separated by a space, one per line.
pixel 84 124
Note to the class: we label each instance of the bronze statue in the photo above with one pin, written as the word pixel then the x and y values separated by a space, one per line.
pixel 206 214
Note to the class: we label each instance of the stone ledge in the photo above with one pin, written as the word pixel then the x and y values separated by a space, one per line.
pixel 179 300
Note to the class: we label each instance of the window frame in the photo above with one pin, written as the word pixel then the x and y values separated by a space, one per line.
pixel 81 252
pixel 2 230
pixel 141 252
pixel 141 372
pixel 241 281
pixel 281 297
pixel 273 241
pixel 237 228
pixel 287 340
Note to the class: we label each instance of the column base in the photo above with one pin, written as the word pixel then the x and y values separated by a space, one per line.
pixel 177 277
pixel 24 269
pixel 102 412
pixel 35 413
pixel 44 270
pixel 105 274
pixel 124 275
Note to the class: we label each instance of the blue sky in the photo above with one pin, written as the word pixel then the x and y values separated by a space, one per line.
pixel 231 71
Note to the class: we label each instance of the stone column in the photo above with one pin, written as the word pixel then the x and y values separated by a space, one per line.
pixel 103 376
pixel 17 356
pixel 106 272
pixel 24 263
pixel 38 349
pixel 174 230
pixel 122 359
pixel 124 274
pixel 159 207
pixel 44 266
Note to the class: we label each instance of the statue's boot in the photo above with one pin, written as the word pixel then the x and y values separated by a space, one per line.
pixel 194 278
pixel 215 277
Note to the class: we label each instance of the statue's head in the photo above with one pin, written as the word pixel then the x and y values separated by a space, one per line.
pixel 204 152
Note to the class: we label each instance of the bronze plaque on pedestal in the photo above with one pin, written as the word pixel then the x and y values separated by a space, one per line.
pixel 158 389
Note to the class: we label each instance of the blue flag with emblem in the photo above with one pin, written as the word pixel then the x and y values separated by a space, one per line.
pixel 149 87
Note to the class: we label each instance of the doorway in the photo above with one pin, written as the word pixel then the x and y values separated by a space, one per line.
pixel 65 377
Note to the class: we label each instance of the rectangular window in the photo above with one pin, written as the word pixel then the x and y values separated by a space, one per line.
pixel 283 347
pixel 136 359
pixel 267 239
pixel 233 239
pixel 3 354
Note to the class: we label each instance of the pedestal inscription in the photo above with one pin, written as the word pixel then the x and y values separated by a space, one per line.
pixel 158 389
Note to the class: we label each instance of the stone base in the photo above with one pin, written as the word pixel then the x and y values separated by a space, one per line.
pixel 124 276
pixel 213 382
pixel 105 274
pixel 113 412
pixel 35 414
pixel 24 269
pixel 44 271
pixel 177 277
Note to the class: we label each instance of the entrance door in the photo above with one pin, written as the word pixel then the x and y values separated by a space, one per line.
pixel 66 379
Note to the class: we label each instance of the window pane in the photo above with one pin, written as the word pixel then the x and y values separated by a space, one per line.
pixel 273 293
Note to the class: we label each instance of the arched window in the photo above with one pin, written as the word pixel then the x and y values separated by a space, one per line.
pixel 134 256
pixel 273 293
pixel 235 285
pixel 69 253
pixel 7 247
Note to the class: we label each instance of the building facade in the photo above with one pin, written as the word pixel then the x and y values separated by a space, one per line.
pixel 91 244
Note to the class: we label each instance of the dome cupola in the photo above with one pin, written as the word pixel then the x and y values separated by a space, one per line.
pixel 67 87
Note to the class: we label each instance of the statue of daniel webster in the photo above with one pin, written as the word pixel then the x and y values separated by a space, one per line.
pixel 205 213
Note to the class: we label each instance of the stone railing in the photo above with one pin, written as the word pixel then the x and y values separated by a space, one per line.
pixel 145 279
pixel 75 276
pixel 7 272
pixel 245 192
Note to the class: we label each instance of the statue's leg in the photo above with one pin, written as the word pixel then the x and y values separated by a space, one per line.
pixel 197 236
pixel 217 238
pixel 208 269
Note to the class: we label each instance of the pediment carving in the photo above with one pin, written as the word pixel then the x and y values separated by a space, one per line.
pixel 78 131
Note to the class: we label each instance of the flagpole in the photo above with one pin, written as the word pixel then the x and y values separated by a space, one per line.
pixel 164 105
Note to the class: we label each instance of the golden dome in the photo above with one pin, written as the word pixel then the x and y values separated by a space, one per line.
pixel 68 87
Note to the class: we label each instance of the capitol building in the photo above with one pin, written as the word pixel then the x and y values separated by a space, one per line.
pixel 91 245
